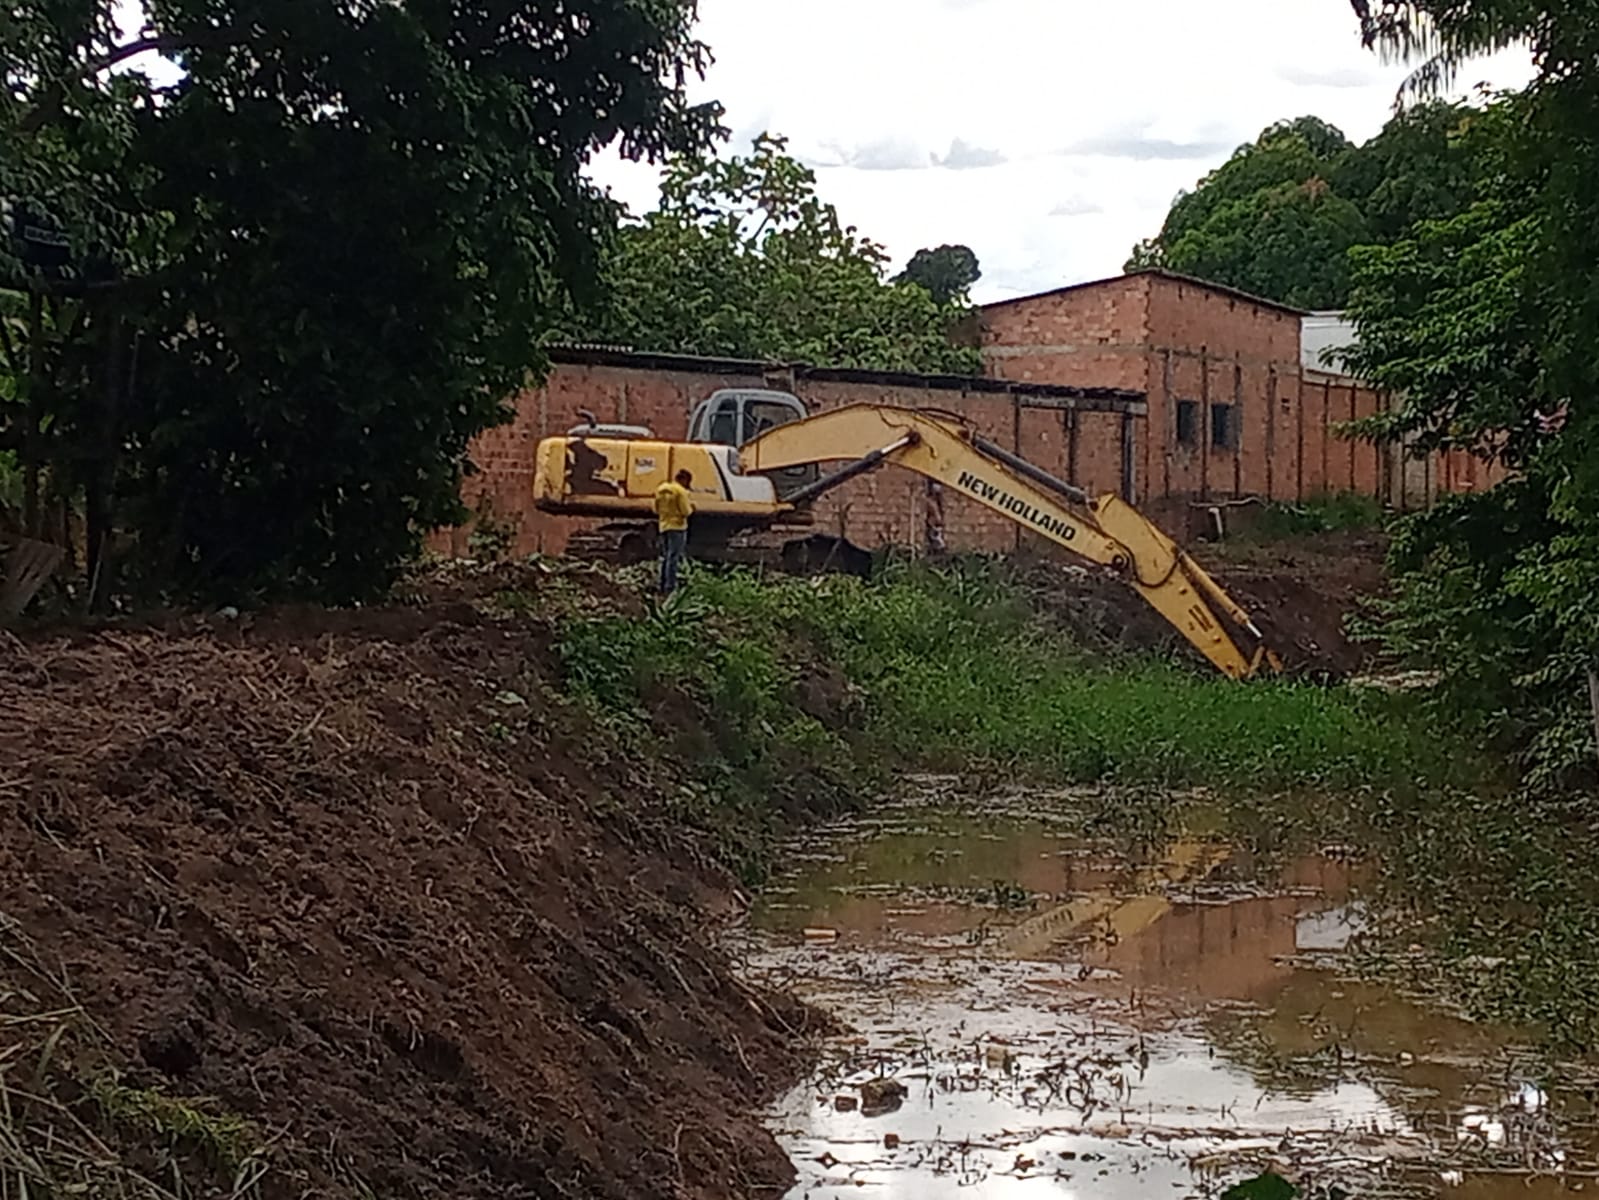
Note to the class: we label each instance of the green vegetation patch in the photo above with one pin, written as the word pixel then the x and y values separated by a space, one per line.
pixel 793 697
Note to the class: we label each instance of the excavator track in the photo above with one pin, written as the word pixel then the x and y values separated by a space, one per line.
pixel 625 543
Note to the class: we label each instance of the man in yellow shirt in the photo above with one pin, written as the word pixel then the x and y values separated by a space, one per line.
pixel 673 508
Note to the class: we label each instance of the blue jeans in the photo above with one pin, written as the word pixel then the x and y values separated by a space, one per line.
pixel 674 544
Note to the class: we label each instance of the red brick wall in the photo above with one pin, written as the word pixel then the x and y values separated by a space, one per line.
pixel 1092 337
pixel 1215 348
pixel 886 507
pixel 1178 340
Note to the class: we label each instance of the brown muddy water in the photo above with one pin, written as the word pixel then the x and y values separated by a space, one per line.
pixel 1037 1013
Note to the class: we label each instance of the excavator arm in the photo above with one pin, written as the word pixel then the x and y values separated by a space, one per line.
pixel 1106 530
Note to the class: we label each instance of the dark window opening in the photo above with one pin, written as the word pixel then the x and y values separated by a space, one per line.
pixel 724 424
pixel 1223 435
pixel 1188 422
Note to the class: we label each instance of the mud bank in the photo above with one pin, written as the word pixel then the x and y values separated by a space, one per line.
pixel 361 881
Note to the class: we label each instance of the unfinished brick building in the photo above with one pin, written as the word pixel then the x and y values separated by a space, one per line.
pixel 1167 390
pixel 1234 408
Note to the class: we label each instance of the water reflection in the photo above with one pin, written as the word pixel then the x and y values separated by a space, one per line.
pixel 1069 1017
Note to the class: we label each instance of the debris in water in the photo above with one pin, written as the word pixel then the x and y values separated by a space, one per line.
pixel 1154 1026
pixel 880 1096
pixel 1481 1127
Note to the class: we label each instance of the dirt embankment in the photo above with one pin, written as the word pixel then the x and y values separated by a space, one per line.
pixel 352 876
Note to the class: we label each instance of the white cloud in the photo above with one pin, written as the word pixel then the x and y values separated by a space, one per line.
pixel 1077 206
pixel 963 156
pixel 884 154
pixel 1335 77
pixel 1085 120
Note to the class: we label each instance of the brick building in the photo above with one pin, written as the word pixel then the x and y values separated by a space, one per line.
pixel 1234 408
pixel 1164 389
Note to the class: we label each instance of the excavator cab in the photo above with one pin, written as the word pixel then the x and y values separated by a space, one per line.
pixel 734 416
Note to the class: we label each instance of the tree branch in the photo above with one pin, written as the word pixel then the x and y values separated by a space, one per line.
pixel 50 105
pixel 158 43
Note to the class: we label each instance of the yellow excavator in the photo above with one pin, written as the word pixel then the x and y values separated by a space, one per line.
pixel 755 457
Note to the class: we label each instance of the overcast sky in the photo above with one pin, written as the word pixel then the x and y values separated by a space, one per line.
pixel 1048 135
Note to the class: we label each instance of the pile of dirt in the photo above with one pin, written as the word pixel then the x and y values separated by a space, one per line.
pixel 352 875
pixel 1300 593
pixel 1303 591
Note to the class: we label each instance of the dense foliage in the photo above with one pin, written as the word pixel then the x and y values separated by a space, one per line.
pixel 960 667
pixel 947 272
pixel 1484 322
pixel 742 259
pixel 1280 217
pixel 296 281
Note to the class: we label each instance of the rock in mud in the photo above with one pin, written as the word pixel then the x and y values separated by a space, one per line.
pixel 880 1096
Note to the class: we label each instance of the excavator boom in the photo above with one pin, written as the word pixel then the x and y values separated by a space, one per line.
pixel 1107 530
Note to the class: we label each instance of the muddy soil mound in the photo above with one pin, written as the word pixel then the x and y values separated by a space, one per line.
pixel 1300 593
pixel 1303 591
pixel 356 878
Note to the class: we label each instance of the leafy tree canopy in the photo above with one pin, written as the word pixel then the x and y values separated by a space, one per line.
pixel 1280 217
pixel 299 280
pixel 947 272
pixel 1484 320
pixel 743 259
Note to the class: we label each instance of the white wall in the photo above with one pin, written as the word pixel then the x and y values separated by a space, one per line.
pixel 1322 331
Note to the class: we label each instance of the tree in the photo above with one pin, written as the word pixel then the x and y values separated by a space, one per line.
pixel 1423 165
pixel 338 242
pixel 1440 36
pixel 1446 318
pixel 1268 220
pixel 947 273
pixel 1486 321
pixel 1280 217
pixel 741 258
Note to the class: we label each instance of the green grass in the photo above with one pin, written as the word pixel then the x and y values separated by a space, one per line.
pixel 952 670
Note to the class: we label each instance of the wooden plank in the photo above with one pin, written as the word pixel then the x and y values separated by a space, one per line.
pixel 28 565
